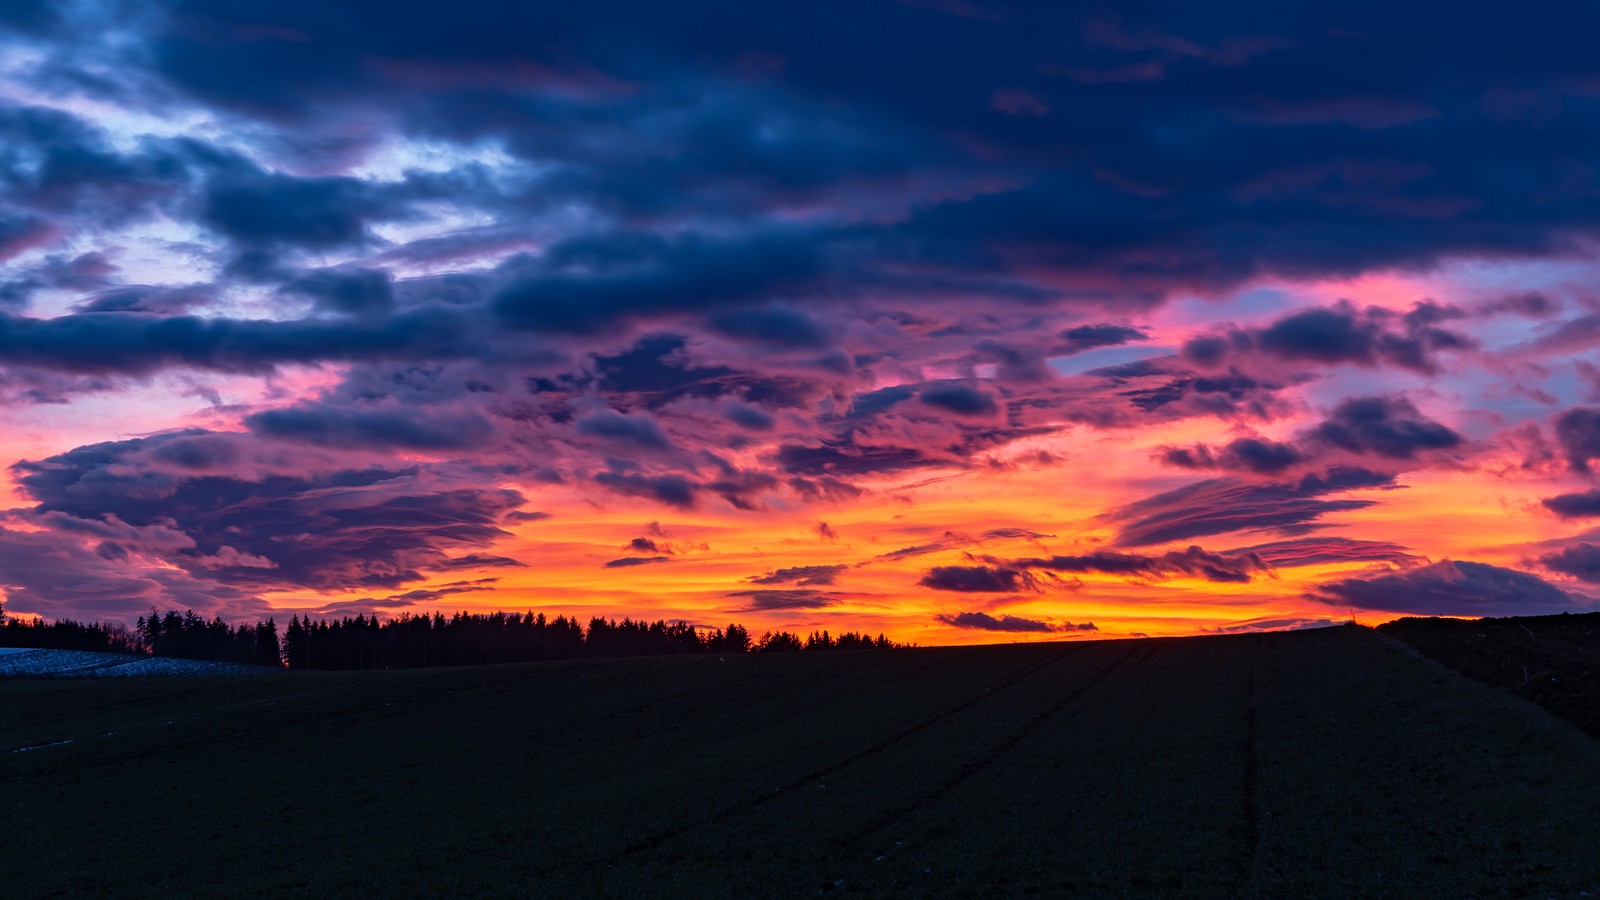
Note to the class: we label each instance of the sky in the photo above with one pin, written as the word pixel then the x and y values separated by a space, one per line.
pixel 954 320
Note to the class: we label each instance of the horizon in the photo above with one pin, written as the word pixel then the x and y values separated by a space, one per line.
pixel 950 320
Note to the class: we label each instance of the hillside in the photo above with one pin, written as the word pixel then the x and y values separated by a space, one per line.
pixel 23 662
pixel 1552 660
pixel 1333 762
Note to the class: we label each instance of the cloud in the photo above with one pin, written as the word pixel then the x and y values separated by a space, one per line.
pixel 411 598
pixel 774 600
pixel 1574 506
pixel 1324 550
pixel 982 621
pixel 1339 335
pixel 960 399
pixel 129 343
pixel 480 561
pixel 354 291
pixel 59 574
pixel 800 575
pixel 951 540
pixel 637 430
pixel 1451 588
pixel 1236 568
pixel 1223 505
pixel 776 326
pixel 139 298
pixel 1093 337
pixel 608 256
pixel 1387 427
pixel 1578 433
pixel 340 529
pixel 1241 454
pixel 1383 426
pixel 979 579
pixel 375 426
pixel 260 209
pixel 1275 623
pixel 658 276
pixel 672 490
pixel 630 561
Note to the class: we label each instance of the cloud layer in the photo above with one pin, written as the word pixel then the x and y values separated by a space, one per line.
pixel 303 307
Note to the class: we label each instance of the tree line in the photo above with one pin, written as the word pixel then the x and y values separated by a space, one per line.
pixel 411 641
pixel 66 634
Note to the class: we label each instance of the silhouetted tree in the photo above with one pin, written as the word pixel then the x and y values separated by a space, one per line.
pixel 779 641
pixel 735 640
pixel 820 641
pixel 409 641
pixel 66 634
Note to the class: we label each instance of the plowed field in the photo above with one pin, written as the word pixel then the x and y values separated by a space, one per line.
pixel 1327 763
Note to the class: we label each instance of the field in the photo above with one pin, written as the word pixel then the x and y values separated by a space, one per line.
pixel 1332 762
pixel 1552 660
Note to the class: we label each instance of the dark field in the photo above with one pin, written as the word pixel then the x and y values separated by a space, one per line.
pixel 1330 763
pixel 1552 660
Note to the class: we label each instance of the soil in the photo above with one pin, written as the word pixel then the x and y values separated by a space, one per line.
pixel 1552 660
pixel 1322 763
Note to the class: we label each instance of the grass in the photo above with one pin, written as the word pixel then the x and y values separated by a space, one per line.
pixel 1332 762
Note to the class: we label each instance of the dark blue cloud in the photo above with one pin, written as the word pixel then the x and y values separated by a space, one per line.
pixel 1341 334
pixel 767 600
pixel 274 210
pixel 1451 588
pixel 785 328
pixel 1223 505
pixel 672 490
pixel 1574 506
pixel 1241 454
pixel 387 427
pixel 647 545
pixel 84 272
pixel 801 575
pixel 353 291
pixel 1339 149
pixel 337 530
pixel 631 561
pixel 961 399
pixel 724 228
pixel 137 344
pixel 1234 568
pixel 979 579
pixel 1321 550
pixel 1578 433
pixel 1093 337
pixel 982 621
pixel 637 430
pixel 1580 560
pixel 1384 426
pixel 584 285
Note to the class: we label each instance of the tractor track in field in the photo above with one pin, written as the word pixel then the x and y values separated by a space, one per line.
pixel 1252 777
pixel 147 722
pixel 818 702
pixel 1134 656
pixel 656 840
pixel 881 661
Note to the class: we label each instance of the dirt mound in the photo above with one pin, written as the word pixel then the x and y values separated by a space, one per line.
pixel 1552 660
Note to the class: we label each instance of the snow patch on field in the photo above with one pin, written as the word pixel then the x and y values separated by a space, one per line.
pixel 44 746
pixel 28 663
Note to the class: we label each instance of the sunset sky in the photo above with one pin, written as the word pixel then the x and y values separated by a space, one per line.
pixel 954 320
